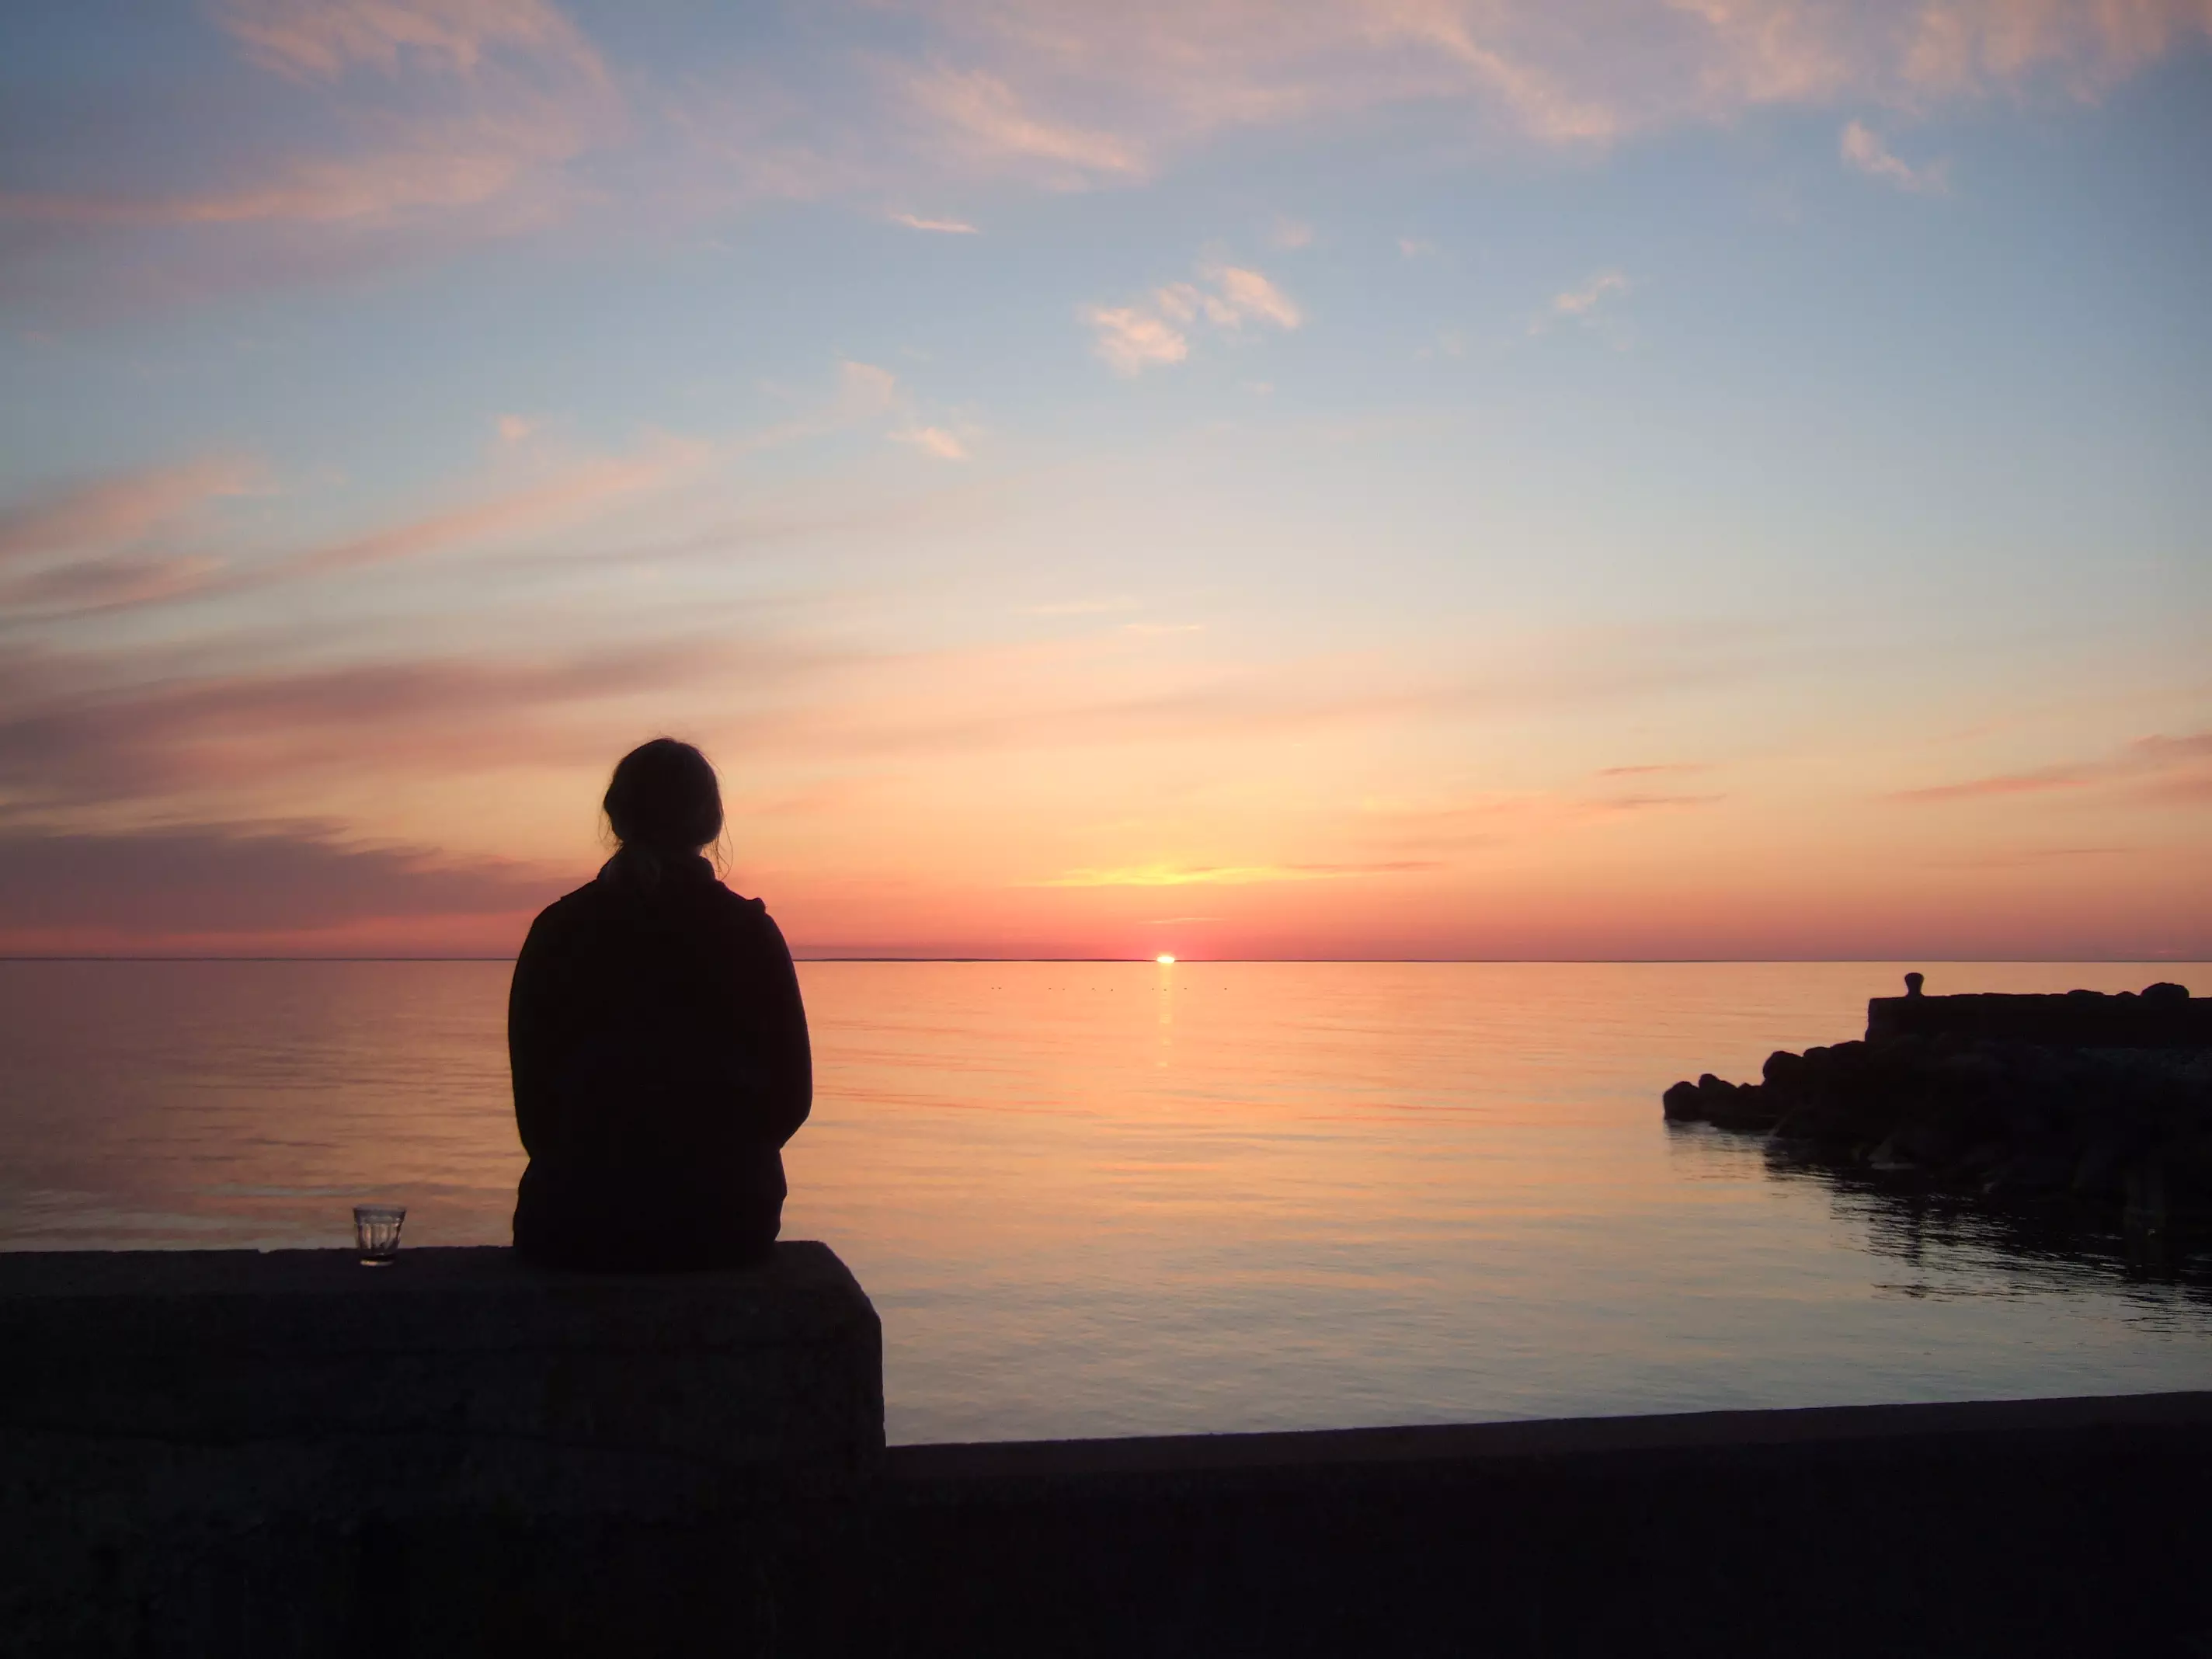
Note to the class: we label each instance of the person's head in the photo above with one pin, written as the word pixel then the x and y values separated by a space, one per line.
pixel 664 796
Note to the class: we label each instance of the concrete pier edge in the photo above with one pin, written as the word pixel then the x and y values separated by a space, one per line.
pixel 289 1455
pixel 1546 1437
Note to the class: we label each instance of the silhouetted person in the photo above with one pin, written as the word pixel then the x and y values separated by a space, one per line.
pixel 1913 982
pixel 658 1045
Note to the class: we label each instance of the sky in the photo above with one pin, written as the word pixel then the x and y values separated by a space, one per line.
pixel 1457 478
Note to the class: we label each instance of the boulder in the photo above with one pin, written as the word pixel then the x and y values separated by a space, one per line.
pixel 1684 1103
pixel 2116 1129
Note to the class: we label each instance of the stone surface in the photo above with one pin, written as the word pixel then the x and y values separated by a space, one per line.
pixel 656 1499
pixel 2002 1527
pixel 163 1410
pixel 491 1383
pixel 2119 1130
pixel 2164 1016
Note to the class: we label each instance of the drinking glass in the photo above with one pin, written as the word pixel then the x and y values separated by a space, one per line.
pixel 376 1230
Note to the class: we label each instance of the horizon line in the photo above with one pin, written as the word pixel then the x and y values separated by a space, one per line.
pixel 1199 962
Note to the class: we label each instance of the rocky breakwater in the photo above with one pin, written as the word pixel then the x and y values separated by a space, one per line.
pixel 2006 1102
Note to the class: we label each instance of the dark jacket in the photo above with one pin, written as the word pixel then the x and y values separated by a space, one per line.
pixel 660 1062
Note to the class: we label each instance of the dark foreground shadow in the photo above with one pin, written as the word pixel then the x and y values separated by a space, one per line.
pixel 283 1456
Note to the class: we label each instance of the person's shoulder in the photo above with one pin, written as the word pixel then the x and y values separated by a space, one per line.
pixel 747 916
pixel 570 909
pixel 739 908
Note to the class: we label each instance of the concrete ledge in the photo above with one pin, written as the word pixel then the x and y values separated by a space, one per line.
pixel 302 1437
pixel 2008 1528
pixel 1441 1446
pixel 452 1378
pixel 291 1455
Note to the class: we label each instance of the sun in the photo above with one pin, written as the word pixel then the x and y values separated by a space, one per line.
pixel 1165 960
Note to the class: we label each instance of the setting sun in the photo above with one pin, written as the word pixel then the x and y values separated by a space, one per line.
pixel 1165 960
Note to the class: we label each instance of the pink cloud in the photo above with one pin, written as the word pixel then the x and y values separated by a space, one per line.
pixel 368 190
pixel 1863 148
pixel 1501 819
pixel 988 124
pixel 480 118
pixel 465 118
pixel 1248 293
pixel 932 440
pixel 60 890
pixel 145 537
pixel 1132 339
pixel 574 492
pixel 2039 782
pixel 110 583
pixel 320 39
pixel 120 508
pixel 941 226
pixel 1583 301
pixel 1129 341
pixel 2154 768
pixel 101 529
pixel 67 737
pixel 1159 73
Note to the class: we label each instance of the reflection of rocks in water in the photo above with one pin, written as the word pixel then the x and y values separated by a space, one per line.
pixel 2007 1124
pixel 2051 1242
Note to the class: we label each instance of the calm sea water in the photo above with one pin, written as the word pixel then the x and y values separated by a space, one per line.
pixel 1115 1199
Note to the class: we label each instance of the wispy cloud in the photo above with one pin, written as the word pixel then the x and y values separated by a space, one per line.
pixel 1228 875
pixel 1646 803
pixel 1568 72
pixel 474 100
pixel 1080 607
pixel 138 539
pixel 1497 818
pixel 1035 696
pixel 864 389
pixel 62 741
pixel 121 508
pixel 1132 339
pixel 942 227
pixel 1592 306
pixel 371 190
pixel 1862 149
pixel 452 121
pixel 2024 857
pixel 130 538
pixel 1582 302
pixel 448 121
pixel 320 39
pixel 1415 247
pixel 2158 767
pixel 2041 781
pixel 932 440
pixel 1249 295
pixel 990 126
pixel 1287 233
pixel 573 493
pixel 1129 340
pixel 204 885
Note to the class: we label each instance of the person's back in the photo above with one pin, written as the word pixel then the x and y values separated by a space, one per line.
pixel 659 1047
